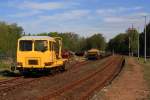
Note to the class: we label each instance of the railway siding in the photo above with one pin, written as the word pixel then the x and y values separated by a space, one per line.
pixel 83 89
pixel 79 76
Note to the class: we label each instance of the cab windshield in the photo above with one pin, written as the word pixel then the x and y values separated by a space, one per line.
pixel 40 45
pixel 25 45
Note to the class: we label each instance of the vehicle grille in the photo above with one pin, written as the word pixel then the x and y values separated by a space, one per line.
pixel 33 62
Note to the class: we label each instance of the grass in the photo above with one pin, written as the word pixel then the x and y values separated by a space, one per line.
pixel 126 65
pixel 146 70
pixel 3 65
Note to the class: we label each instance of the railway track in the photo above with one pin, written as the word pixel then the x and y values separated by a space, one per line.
pixel 68 91
pixel 79 64
pixel 10 84
pixel 78 83
pixel 100 84
pixel 8 80
pixel 14 83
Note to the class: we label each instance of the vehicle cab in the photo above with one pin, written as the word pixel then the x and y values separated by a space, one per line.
pixel 39 52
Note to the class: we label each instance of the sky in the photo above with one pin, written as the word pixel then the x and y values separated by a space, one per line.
pixel 84 17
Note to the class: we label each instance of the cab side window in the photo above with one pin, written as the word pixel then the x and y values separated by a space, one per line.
pixel 50 46
pixel 56 49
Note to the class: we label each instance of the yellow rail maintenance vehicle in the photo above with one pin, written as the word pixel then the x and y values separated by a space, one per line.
pixel 38 53
pixel 93 54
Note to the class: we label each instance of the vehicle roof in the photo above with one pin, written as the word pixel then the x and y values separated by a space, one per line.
pixel 37 38
pixel 93 50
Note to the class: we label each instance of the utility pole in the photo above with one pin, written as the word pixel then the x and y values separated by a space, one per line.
pixel 129 45
pixel 145 41
pixel 113 51
pixel 132 30
pixel 138 43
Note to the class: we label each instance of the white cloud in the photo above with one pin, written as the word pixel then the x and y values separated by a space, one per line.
pixel 108 11
pixel 142 14
pixel 58 22
pixel 69 15
pixel 42 6
pixel 26 14
pixel 138 8
pixel 123 19
pixel 114 19
pixel 129 8
pixel 29 8
pixel 46 5
pixel 67 21
pixel 103 11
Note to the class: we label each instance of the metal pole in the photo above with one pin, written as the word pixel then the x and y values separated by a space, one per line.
pixel 113 51
pixel 138 43
pixel 131 51
pixel 145 41
pixel 129 45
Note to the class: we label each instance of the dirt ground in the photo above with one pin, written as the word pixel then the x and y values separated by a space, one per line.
pixel 44 86
pixel 129 85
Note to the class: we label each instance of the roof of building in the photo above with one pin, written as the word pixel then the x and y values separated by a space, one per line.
pixel 37 38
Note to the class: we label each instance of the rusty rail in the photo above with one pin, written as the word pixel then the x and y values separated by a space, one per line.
pixel 68 87
pixel 9 84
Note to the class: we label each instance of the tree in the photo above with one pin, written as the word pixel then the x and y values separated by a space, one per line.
pixel 73 42
pixel 53 34
pixel 42 34
pixel 9 33
pixel 119 44
pixel 142 39
pixel 96 41
pixel 133 35
pixel 70 40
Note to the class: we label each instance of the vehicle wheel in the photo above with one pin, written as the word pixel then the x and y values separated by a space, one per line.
pixel 63 68
pixel 13 67
pixel 52 71
pixel 24 73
